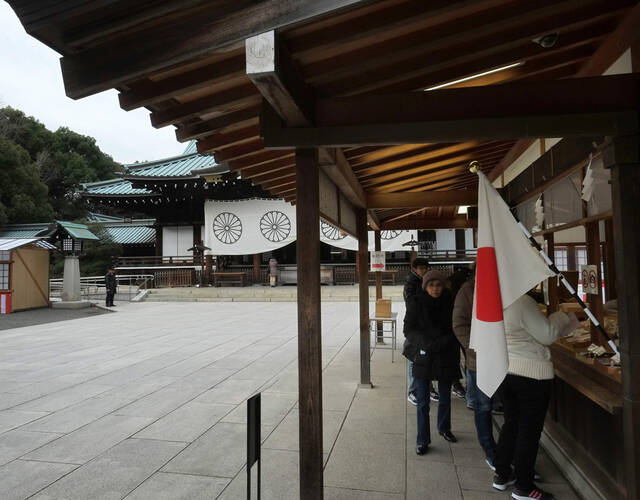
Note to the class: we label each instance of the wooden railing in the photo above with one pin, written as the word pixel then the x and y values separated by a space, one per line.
pixel 159 260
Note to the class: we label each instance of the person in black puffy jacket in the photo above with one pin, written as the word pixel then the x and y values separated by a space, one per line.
pixel 435 353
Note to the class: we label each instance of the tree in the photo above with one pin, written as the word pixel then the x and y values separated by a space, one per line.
pixel 64 159
pixel 23 196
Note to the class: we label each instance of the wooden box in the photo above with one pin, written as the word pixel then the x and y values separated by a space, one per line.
pixel 383 308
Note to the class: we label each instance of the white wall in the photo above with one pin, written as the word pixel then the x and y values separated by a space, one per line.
pixel 468 238
pixel 176 240
pixel 445 239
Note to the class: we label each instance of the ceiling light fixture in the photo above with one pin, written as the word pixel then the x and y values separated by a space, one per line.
pixel 484 73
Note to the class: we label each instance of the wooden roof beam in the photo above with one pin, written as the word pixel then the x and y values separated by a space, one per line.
pixel 423 199
pixel 114 63
pixel 148 92
pixel 270 68
pixel 608 52
pixel 605 105
pixel 373 220
pixel 224 101
pixel 429 223
pixel 240 118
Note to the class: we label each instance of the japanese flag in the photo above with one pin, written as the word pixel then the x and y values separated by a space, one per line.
pixel 506 269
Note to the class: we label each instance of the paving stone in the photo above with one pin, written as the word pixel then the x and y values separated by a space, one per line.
pixel 10 400
pixel 10 419
pixel 469 457
pixel 176 363
pixel 90 441
pixel 21 479
pixel 475 478
pixel 159 403
pixel 432 481
pixel 286 435
pixel 274 407
pixel 485 495
pixel 14 444
pixel 280 478
pixel 186 423
pixel 376 415
pixel 219 452
pixel 168 486
pixel 231 391
pixel 331 493
pixel 113 474
pixel 67 397
pixel 383 469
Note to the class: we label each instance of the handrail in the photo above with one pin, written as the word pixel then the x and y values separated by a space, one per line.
pixel 96 286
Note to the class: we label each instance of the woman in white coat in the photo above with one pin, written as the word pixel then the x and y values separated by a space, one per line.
pixel 526 393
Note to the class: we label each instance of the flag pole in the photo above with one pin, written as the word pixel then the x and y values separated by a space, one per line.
pixel 473 167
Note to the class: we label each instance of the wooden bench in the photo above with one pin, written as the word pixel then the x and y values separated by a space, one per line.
pixel 233 278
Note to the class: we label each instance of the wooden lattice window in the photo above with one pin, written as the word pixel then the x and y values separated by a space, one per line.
pixel 5 269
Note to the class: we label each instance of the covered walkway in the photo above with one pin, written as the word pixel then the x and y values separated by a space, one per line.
pixel 149 402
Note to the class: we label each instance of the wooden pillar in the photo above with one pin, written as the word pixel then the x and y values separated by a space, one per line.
pixel 610 261
pixel 363 287
pixel 552 282
pixel 158 241
pixel 256 268
pixel 378 247
pixel 623 157
pixel 309 326
pixel 592 233
pixel 208 263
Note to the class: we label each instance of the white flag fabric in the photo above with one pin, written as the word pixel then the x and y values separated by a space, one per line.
pixel 507 267
pixel 244 227
pixel 390 241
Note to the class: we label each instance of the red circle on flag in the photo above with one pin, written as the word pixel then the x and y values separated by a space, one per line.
pixel 488 298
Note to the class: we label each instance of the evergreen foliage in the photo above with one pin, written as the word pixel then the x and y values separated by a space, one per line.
pixel 41 170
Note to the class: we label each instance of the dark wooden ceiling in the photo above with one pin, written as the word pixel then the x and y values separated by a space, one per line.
pixel 373 47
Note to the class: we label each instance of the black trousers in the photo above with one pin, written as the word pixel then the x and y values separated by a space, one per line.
pixel 526 401
pixel 110 295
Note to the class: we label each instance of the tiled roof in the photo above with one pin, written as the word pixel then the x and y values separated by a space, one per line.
pixel 192 147
pixel 22 230
pixel 130 234
pixel 112 187
pixel 78 231
pixel 12 243
pixel 178 166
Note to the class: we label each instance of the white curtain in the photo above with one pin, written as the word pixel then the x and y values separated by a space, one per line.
pixel 244 227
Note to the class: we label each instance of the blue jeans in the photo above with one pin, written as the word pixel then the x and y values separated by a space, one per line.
pixel 423 387
pixel 482 414
pixel 411 384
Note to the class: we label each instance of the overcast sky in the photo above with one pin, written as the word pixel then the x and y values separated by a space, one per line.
pixel 31 80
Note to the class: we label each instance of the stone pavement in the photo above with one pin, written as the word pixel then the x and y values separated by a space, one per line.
pixel 149 403
pixel 45 315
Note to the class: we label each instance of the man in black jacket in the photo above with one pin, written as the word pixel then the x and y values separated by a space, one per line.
pixel 111 286
pixel 413 283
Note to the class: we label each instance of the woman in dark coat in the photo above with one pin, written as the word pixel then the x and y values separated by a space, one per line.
pixel 435 353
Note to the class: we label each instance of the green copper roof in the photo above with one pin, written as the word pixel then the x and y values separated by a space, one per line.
pixel 22 230
pixel 192 147
pixel 178 166
pixel 77 231
pixel 112 187
pixel 131 235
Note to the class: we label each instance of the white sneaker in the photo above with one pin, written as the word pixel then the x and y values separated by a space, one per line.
pixel 412 399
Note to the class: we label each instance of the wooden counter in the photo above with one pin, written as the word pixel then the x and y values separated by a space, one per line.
pixel 589 377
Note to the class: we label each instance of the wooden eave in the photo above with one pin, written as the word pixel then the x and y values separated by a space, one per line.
pixel 366 47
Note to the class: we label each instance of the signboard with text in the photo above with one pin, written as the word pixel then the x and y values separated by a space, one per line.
pixel 377 261
pixel 589 274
